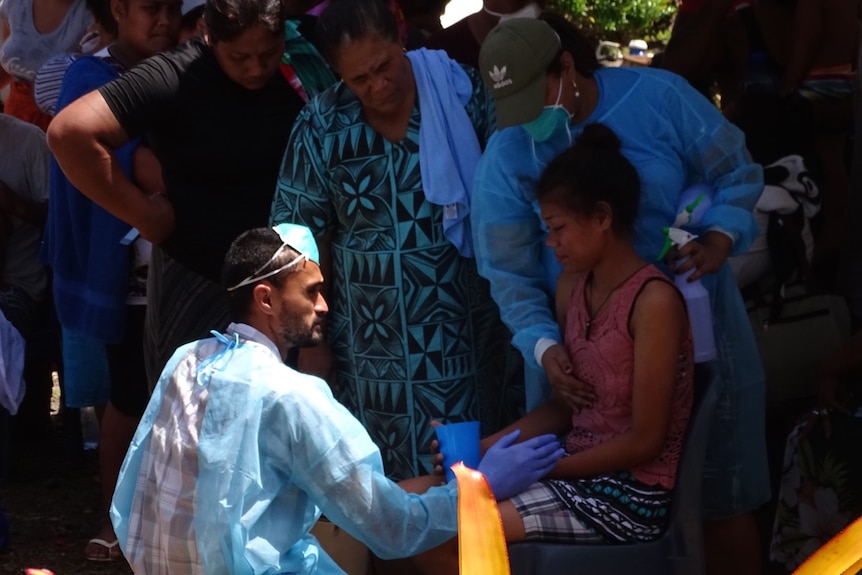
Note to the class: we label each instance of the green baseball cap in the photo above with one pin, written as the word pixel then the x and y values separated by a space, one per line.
pixel 513 61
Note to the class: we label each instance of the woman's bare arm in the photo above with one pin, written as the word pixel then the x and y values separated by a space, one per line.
pixel 659 326
pixel 147 171
pixel 83 137
pixel 552 416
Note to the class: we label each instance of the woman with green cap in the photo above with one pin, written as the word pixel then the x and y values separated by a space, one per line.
pixel 547 87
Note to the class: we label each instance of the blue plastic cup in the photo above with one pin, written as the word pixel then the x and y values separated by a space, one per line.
pixel 459 442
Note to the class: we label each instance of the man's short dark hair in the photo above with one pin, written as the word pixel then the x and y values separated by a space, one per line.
pixel 248 252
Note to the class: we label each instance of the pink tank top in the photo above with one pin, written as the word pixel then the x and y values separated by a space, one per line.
pixel 606 361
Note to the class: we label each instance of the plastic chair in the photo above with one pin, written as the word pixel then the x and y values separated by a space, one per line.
pixel 679 551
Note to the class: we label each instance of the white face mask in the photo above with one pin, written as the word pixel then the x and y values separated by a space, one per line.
pixel 531 10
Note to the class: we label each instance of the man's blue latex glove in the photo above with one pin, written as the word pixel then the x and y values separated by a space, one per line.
pixel 511 467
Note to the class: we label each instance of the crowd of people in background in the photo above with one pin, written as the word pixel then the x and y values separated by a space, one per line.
pixel 464 225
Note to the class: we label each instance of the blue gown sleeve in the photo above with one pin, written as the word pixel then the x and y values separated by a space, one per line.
pixel 302 195
pixel 509 241
pixel 332 459
pixel 715 152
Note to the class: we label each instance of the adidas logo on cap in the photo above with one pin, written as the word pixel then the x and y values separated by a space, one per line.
pixel 498 75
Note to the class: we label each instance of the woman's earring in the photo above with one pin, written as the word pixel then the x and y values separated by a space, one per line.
pixel 577 92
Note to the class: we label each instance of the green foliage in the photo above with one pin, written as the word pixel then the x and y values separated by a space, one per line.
pixel 620 20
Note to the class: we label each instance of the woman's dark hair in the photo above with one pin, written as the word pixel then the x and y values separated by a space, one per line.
pixel 227 19
pixel 190 18
pixel 594 170
pixel 344 21
pixel 248 252
pixel 574 42
pixel 101 11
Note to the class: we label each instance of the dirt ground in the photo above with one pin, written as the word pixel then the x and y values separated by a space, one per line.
pixel 51 497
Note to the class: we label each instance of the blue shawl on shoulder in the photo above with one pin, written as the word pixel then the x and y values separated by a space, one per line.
pixel 449 149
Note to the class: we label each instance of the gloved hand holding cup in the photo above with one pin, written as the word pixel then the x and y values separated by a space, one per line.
pixel 459 442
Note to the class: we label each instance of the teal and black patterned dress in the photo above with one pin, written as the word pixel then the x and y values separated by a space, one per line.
pixel 415 333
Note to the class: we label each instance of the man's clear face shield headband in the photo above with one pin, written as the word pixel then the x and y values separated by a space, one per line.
pixel 257 276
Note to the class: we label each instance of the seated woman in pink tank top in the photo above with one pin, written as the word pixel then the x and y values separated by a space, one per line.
pixel 628 336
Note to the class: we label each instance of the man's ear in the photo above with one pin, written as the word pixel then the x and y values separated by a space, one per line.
pixel 264 296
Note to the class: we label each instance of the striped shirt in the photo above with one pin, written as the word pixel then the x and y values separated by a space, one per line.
pixel 235 459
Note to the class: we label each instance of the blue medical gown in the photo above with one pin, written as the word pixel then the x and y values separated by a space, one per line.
pixel 232 464
pixel 674 137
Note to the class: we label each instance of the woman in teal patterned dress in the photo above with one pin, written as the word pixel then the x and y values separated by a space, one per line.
pixel 412 331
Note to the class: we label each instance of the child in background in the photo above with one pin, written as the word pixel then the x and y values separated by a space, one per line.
pixel 628 337
pixel 103 33
pixel 49 78
pixel 100 265
pixel 819 492
pixel 31 31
